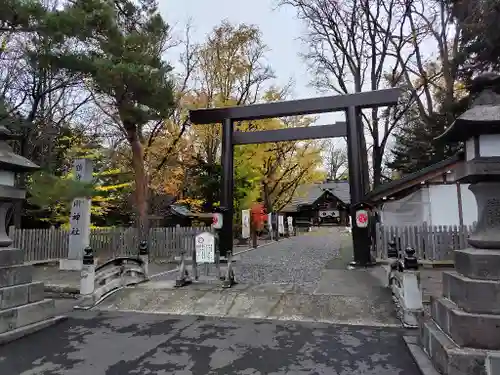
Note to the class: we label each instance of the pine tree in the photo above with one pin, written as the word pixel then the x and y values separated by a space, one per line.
pixel 416 148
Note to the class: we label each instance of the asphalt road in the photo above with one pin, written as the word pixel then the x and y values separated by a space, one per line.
pixel 95 343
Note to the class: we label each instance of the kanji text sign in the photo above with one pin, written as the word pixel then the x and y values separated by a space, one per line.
pixel 79 233
pixel 205 248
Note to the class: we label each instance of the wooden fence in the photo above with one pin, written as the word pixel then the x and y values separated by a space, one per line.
pixel 52 244
pixel 432 243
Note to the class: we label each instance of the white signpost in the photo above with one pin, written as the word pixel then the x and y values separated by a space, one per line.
pixel 205 248
pixel 245 224
pixel 289 219
pixel 79 234
pixel 281 224
pixel 361 218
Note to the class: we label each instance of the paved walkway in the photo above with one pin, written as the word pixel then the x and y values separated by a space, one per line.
pixel 145 344
pixel 301 279
pixel 271 323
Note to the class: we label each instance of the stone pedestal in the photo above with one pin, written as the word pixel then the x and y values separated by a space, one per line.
pixel 463 336
pixel 23 307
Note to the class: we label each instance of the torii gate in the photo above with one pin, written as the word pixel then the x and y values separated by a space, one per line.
pixel 351 104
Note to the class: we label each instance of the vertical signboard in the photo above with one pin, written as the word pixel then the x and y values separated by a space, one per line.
pixel 245 224
pixel 205 248
pixel 289 220
pixel 79 232
pixel 281 224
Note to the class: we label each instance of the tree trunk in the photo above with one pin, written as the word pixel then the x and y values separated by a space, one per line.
pixel 141 188
pixel 267 197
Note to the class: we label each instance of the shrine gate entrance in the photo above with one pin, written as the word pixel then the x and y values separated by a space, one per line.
pixel 351 104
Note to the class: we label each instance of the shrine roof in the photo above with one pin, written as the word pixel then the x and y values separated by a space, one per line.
pixel 310 193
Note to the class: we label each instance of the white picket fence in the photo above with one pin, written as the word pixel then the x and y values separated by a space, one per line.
pixel 432 243
pixel 52 244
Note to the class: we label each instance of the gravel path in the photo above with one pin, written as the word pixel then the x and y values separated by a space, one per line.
pixel 298 260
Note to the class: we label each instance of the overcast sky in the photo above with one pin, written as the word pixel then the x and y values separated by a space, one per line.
pixel 280 30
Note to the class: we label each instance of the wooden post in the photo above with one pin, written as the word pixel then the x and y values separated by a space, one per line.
pixel 253 232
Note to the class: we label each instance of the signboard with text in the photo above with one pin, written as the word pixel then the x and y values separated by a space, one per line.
pixel 281 224
pixel 79 232
pixel 245 224
pixel 205 248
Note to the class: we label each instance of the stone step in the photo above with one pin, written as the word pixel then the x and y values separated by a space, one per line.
pixel 478 263
pixel 14 275
pixel 472 295
pixel 447 357
pixel 481 331
pixel 17 295
pixel 20 316
pixel 259 301
pixel 11 257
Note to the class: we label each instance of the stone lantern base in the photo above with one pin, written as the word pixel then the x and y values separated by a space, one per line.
pixel 463 335
pixel 23 307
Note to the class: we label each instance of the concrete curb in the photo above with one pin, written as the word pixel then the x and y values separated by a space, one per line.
pixel 29 329
pixel 423 362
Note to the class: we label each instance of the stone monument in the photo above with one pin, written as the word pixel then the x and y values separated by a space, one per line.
pixel 23 307
pixel 79 234
pixel 463 335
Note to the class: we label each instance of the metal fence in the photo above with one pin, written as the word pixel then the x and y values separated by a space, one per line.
pixel 432 243
pixel 52 244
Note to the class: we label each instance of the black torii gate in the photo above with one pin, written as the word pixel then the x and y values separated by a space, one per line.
pixel 351 104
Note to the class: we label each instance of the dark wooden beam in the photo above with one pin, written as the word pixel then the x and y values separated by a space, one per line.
pixel 369 99
pixel 338 129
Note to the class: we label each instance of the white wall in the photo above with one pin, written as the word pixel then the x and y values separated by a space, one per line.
pixel 444 205
pixel 410 210
pixel 469 205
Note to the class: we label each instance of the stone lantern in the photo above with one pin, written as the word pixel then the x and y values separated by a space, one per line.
pixel 23 307
pixel 463 336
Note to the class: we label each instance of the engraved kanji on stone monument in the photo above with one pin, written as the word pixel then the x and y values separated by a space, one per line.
pixel 79 233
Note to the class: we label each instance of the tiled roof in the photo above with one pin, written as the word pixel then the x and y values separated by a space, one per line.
pixel 308 194
pixel 413 178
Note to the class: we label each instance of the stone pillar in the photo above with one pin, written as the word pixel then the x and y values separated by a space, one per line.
pixel 463 335
pixel 79 235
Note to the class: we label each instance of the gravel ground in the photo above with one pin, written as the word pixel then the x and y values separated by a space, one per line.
pixel 298 260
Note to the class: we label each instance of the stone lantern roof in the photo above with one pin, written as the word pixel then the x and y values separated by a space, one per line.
pixel 483 116
pixel 9 160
